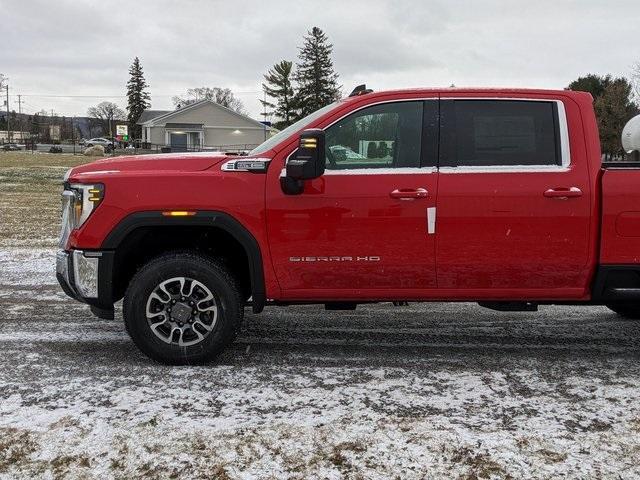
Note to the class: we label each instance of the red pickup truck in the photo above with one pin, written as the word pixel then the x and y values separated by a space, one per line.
pixel 493 196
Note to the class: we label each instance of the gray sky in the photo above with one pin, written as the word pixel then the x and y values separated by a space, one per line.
pixel 66 47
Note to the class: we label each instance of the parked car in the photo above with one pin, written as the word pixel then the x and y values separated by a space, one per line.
pixel 11 147
pixel 346 153
pixel 105 142
pixel 492 196
pixel 99 141
pixel 82 141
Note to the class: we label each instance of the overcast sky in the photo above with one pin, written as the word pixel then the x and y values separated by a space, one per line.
pixel 73 47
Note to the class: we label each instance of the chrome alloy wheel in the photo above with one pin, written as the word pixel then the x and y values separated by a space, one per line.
pixel 181 311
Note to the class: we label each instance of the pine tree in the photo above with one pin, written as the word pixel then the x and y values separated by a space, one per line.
pixel 138 97
pixel 614 108
pixel 278 86
pixel 317 81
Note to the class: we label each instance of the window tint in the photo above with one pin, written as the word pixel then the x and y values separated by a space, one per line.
pixel 382 136
pixel 500 133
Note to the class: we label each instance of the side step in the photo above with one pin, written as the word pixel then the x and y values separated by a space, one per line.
pixel 340 306
pixel 622 293
pixel 510 306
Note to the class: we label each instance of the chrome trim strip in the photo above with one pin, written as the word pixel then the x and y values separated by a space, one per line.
pixel 565 146
pixel 382 171
pixel 505 169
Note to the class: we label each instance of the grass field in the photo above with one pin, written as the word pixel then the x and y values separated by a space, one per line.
pixel 427 391
pixel 30 186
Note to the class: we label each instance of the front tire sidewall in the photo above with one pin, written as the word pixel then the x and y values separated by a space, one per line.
pixel 197 268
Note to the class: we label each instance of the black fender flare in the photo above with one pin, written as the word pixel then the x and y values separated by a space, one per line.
pixel 207 218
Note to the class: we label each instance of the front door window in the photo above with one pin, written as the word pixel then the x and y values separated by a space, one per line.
pixel 382 136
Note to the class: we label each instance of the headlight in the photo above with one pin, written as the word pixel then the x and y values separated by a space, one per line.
pixel 78 201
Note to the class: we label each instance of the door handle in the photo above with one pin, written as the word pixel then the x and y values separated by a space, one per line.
pixel 409 193
pixel 563 193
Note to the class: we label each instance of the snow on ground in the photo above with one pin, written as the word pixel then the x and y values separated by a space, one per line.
pixel 425 391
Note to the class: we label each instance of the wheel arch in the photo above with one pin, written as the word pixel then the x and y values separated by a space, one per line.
pixel 209 221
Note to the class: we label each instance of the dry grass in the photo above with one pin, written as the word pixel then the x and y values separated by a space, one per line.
pixel 30 185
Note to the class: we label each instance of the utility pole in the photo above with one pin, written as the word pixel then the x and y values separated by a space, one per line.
pixel 73 133
pixel 8 120
pixel 20 118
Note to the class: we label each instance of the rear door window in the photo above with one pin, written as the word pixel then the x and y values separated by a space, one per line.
pixel 499 133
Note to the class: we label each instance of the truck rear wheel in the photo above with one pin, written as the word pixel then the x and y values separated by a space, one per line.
pixel 626 309
pixel 182 309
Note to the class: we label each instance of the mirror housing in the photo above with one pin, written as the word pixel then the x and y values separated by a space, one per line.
pixel 307 163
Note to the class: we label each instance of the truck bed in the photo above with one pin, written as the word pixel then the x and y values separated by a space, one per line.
pixel 619 271
pixel 620 240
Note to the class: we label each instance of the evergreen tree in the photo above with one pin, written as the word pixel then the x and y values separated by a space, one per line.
pixel 317 81
pixel 278 87
pixel 614 107
pixel 138 98
pixel 592 83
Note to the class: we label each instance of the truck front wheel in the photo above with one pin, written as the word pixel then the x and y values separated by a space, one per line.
pixel 182 309
pixel 626 309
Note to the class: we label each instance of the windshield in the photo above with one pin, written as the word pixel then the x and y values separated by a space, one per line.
pixel 291 129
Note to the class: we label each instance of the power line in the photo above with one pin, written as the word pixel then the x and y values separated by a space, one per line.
pixel 116 96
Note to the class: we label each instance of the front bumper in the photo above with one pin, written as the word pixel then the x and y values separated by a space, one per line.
pixel 86 276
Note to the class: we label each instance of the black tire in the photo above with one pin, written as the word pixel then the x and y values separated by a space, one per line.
pixel 212 275
pixel 629 310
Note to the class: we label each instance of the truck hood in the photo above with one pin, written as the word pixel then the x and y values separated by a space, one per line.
pixel 180 162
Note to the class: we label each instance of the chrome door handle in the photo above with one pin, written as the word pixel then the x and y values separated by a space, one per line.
pixel 409 193
pixel 563 193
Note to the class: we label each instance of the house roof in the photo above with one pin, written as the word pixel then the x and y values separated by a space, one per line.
pixel 183 125
pixel 167 115
pixel 150 114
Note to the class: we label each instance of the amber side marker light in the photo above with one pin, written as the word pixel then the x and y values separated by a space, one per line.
pixel 95 194
pixel 178 213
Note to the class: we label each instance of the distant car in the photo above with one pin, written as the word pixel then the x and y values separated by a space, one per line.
pixel 11 147
pixel 345 153
pixel 105 142
pixel 82 141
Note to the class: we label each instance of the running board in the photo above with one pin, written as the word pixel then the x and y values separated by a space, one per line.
pixel 623 293
pixel 510 306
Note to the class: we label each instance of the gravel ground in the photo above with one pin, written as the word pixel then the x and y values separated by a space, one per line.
pixel 424 391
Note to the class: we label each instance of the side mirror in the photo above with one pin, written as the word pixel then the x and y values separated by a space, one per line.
pixel 308 162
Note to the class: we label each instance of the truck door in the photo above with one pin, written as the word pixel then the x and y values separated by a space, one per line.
pixel 362 228
pixel 514 200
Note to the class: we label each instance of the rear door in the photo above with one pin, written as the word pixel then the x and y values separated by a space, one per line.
pixel 362 229
pixel 513 200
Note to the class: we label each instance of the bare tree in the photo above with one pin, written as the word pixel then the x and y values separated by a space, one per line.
pixel 635 81
pixel 222 96
pixel 107 113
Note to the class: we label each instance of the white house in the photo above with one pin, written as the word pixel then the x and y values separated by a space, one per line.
pixel 202 125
